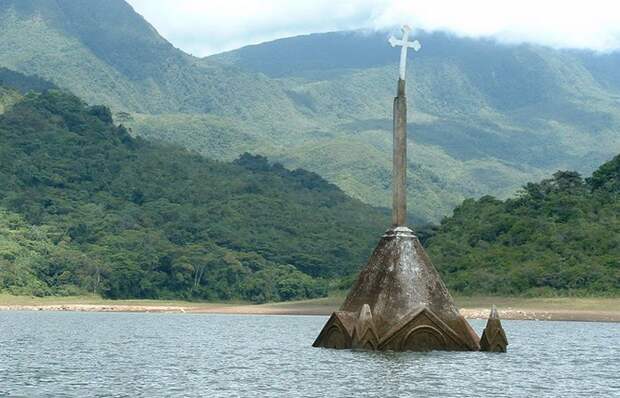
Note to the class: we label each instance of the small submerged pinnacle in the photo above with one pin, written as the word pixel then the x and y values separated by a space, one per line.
pixel 493 337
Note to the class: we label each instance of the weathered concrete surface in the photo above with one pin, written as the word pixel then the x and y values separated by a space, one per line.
pixel 399 159
pixel 493 337
pixel 410 307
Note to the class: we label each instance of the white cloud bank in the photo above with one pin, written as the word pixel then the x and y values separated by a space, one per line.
pixel 204 27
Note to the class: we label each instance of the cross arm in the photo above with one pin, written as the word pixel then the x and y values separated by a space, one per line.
pixel 411 44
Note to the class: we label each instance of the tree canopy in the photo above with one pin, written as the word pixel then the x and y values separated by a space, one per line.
pixel 126 218
pixel 559 236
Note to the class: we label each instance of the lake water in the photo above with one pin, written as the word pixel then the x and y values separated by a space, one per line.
pixel 60 354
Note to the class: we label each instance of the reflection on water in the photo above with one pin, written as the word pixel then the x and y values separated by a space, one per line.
pixel 160 355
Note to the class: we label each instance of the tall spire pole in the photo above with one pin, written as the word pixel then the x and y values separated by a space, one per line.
pixel 399 159
pixel 399 173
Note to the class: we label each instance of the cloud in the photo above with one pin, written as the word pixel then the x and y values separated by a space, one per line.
pixel 204 27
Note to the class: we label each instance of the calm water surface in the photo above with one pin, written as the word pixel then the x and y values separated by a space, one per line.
pixel 160 355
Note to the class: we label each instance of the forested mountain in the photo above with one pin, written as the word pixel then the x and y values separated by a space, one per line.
pixel 486 118
pixel 86 207
pixel 106 53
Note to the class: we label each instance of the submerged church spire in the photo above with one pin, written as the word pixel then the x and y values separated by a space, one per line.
pixel 399 301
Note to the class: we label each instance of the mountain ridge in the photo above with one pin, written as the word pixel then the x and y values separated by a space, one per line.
pixel 484 118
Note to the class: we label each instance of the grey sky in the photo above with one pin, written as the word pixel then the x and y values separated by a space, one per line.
pixel 204 27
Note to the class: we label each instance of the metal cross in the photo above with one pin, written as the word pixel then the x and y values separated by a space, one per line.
pixel 405 44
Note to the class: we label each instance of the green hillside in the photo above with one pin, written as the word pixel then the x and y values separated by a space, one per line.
pixel 485 118
pixel 106 53
pixel 86 207
pixel 559 236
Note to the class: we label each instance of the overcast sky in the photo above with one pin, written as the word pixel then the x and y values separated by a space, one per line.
pixel 203 27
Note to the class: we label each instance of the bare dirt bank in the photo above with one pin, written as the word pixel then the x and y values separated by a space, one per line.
pixel 565 309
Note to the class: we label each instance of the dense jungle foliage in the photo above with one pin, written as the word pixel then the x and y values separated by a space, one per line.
pixel 86 207
pixel 559 236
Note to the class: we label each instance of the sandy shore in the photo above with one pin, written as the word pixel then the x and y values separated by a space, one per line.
pixel 534 310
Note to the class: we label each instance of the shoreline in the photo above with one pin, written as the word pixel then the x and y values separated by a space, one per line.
pixel 564 309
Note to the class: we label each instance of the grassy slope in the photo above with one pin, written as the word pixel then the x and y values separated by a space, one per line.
pixel 469 137
pixel 107 54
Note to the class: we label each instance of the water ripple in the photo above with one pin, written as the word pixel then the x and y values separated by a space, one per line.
pixel 162 355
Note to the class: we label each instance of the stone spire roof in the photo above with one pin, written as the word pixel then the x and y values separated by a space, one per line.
pixel 403 294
